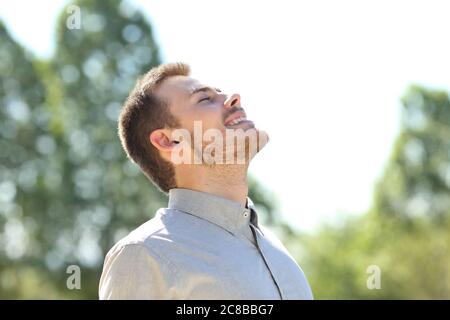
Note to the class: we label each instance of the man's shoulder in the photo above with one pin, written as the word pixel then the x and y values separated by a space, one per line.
pixel 150 234
pixel 138 258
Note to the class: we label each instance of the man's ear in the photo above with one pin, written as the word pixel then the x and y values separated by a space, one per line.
pixel 160 138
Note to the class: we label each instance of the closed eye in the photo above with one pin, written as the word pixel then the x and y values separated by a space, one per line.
pixel 204 99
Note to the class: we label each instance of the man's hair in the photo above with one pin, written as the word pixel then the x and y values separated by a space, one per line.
pixel 144 112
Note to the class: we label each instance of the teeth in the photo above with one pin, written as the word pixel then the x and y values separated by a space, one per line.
pixel 236 121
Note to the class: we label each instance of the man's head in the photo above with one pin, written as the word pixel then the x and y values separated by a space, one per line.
pixel 165 100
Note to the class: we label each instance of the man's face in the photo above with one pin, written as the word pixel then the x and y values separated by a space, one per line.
pixel 194 103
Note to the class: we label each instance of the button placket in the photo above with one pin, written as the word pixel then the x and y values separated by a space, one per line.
pixel 257 241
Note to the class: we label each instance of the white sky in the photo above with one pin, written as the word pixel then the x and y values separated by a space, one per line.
pixel 324 78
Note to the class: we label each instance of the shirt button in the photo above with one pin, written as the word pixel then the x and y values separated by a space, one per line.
pixel 245 214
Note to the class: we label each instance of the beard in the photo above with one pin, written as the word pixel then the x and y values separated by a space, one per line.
pixel 232 147
pixel 225 146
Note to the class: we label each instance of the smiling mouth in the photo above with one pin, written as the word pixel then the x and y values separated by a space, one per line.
pixel 235 121
pixel 236 118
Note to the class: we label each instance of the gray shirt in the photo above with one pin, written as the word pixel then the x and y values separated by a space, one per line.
pixel 202 247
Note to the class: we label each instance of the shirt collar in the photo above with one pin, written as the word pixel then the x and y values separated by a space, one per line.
pixel 227 214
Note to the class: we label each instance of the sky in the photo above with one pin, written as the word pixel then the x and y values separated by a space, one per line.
pixel 323 78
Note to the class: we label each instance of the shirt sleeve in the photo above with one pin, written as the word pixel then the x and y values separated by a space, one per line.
pixel 133 272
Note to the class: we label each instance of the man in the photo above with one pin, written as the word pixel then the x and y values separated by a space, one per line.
pixel 207 244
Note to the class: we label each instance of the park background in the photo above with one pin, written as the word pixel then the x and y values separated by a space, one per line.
pixel 353 94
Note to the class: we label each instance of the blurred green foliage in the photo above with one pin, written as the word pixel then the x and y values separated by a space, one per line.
pixel 406 233
pixel 67 191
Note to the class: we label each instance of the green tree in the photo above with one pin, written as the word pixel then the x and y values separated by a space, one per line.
pixel 417 179
pixel 407 231
pixel 24 143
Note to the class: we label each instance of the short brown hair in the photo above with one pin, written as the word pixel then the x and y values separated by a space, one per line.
pixel 144 112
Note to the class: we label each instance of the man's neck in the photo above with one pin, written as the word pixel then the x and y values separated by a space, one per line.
pixel 227 181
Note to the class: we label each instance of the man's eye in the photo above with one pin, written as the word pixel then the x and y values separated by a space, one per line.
pixel 204 99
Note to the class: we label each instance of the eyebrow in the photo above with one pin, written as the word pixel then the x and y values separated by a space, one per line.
pixel 204 89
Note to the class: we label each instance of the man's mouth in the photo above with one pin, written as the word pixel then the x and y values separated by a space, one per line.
pixel 236 121
pixel 236 118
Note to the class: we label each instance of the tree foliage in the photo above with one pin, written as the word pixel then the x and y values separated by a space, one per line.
pixel 406 233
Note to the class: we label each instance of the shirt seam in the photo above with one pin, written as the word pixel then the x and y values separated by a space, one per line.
pixel 204 219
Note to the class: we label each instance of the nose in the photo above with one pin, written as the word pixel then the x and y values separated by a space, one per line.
pixel 233 100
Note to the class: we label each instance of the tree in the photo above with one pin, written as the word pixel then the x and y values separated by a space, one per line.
pixel 24 145
pixel 417 179
pixel 406 234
